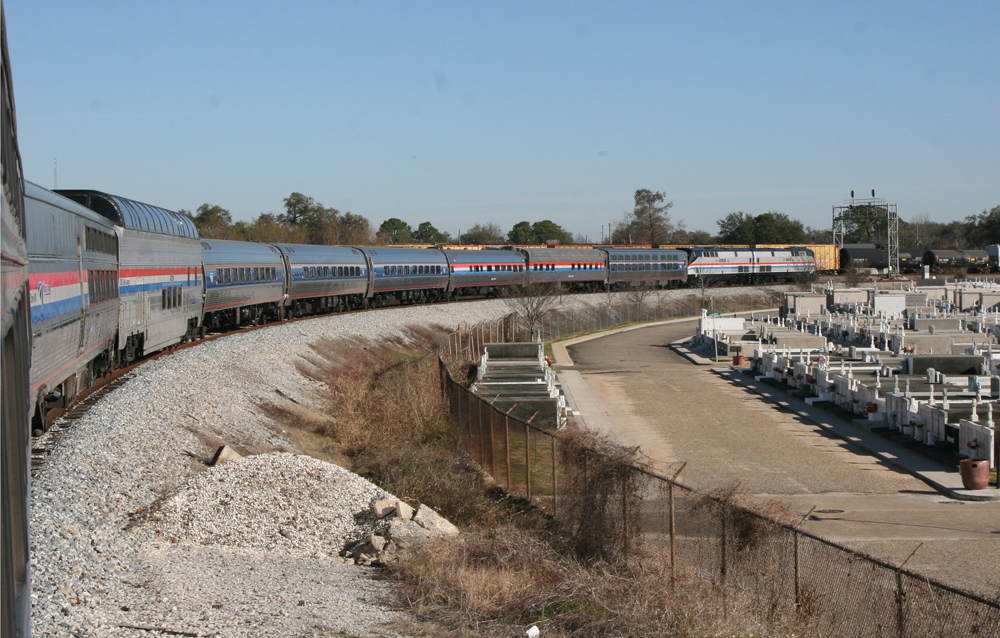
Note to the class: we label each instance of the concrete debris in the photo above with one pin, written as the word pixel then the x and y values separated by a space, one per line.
pixel 225 454
pixel 403 510
pixel 434 522
pixel 383 508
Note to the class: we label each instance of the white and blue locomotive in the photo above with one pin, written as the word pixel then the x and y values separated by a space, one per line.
pixel 113 279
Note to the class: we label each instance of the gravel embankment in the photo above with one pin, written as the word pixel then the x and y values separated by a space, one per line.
pixel 130 528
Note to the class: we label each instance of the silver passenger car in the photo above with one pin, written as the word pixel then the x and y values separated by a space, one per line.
pixel 650 266
pixel 73 278
pixel 244 282
pixel 324 278
pixel 484 272
pixel 574 268
pixel 160 278
pixel 406 274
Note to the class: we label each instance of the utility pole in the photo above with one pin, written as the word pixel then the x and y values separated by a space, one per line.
pixel 55 173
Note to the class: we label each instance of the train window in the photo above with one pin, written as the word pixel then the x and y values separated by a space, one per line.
pixel 340 271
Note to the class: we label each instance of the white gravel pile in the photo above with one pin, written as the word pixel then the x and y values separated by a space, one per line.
pixel 275 502
pixel 128 528
pixel 98 558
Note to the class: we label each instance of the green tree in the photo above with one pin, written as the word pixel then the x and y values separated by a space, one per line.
pixel 547 230
pixel 355 230
pixel 298 208
pixel 648 222
pixel 984 229
pixel 483 234
pixel 521 233
pixel 652 217
pixel 736 228
pixel 395 231
pixel 427 234
pixel 213 222
pixel 767 228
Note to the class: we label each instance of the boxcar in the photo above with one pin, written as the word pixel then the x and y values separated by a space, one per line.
pixel 576 269
pixel 324 278
pixel 483 272
pixel 160 277
pixel 74 297
pixel 653 267
pixel 245 283
pixel 406 274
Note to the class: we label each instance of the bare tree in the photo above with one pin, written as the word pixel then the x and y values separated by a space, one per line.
pixel 637 296
pixel 530 303
pixel 703 283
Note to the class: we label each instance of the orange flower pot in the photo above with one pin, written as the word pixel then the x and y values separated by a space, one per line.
pixel 975 473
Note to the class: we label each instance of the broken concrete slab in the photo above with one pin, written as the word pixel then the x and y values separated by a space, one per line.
pixel 224 455
pixel 434 522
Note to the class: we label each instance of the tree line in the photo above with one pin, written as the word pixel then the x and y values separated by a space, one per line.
pixel 306 221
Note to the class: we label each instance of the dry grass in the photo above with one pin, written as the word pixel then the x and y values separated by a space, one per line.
pixel 514 565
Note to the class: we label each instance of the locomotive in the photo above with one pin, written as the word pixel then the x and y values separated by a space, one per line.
pixel 113 279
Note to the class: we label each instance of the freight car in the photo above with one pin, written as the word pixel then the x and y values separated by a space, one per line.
pixel 854 256
pixel 973 260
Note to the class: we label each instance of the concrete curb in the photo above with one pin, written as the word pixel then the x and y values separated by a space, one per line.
pixel 563 359
pixel 680 348
pixel 989 494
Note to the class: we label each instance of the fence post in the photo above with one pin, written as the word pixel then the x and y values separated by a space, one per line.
pixel 625 525
pixel 461 425
pixel 725 533
pixel 900 607
pixel 527 460
pixel 798 593
pixel 479 432
pixel 506 448
pixel 493 468
pixel 673 547
pixel 554 479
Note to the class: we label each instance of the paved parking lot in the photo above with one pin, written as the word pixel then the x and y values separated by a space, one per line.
pixel 634 385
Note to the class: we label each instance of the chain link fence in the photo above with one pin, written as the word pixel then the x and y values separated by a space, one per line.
pixel 760 564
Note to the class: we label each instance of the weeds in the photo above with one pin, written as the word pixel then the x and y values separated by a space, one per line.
pixel 583 574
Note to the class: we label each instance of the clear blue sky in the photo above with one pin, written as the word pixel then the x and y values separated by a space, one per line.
pixel 477 112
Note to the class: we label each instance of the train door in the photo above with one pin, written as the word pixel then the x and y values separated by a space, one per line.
pixel 84 298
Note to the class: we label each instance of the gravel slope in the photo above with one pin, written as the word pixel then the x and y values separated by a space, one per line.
pixel 128 528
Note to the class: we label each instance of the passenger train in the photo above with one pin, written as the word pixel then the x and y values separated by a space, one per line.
pixel 113 279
